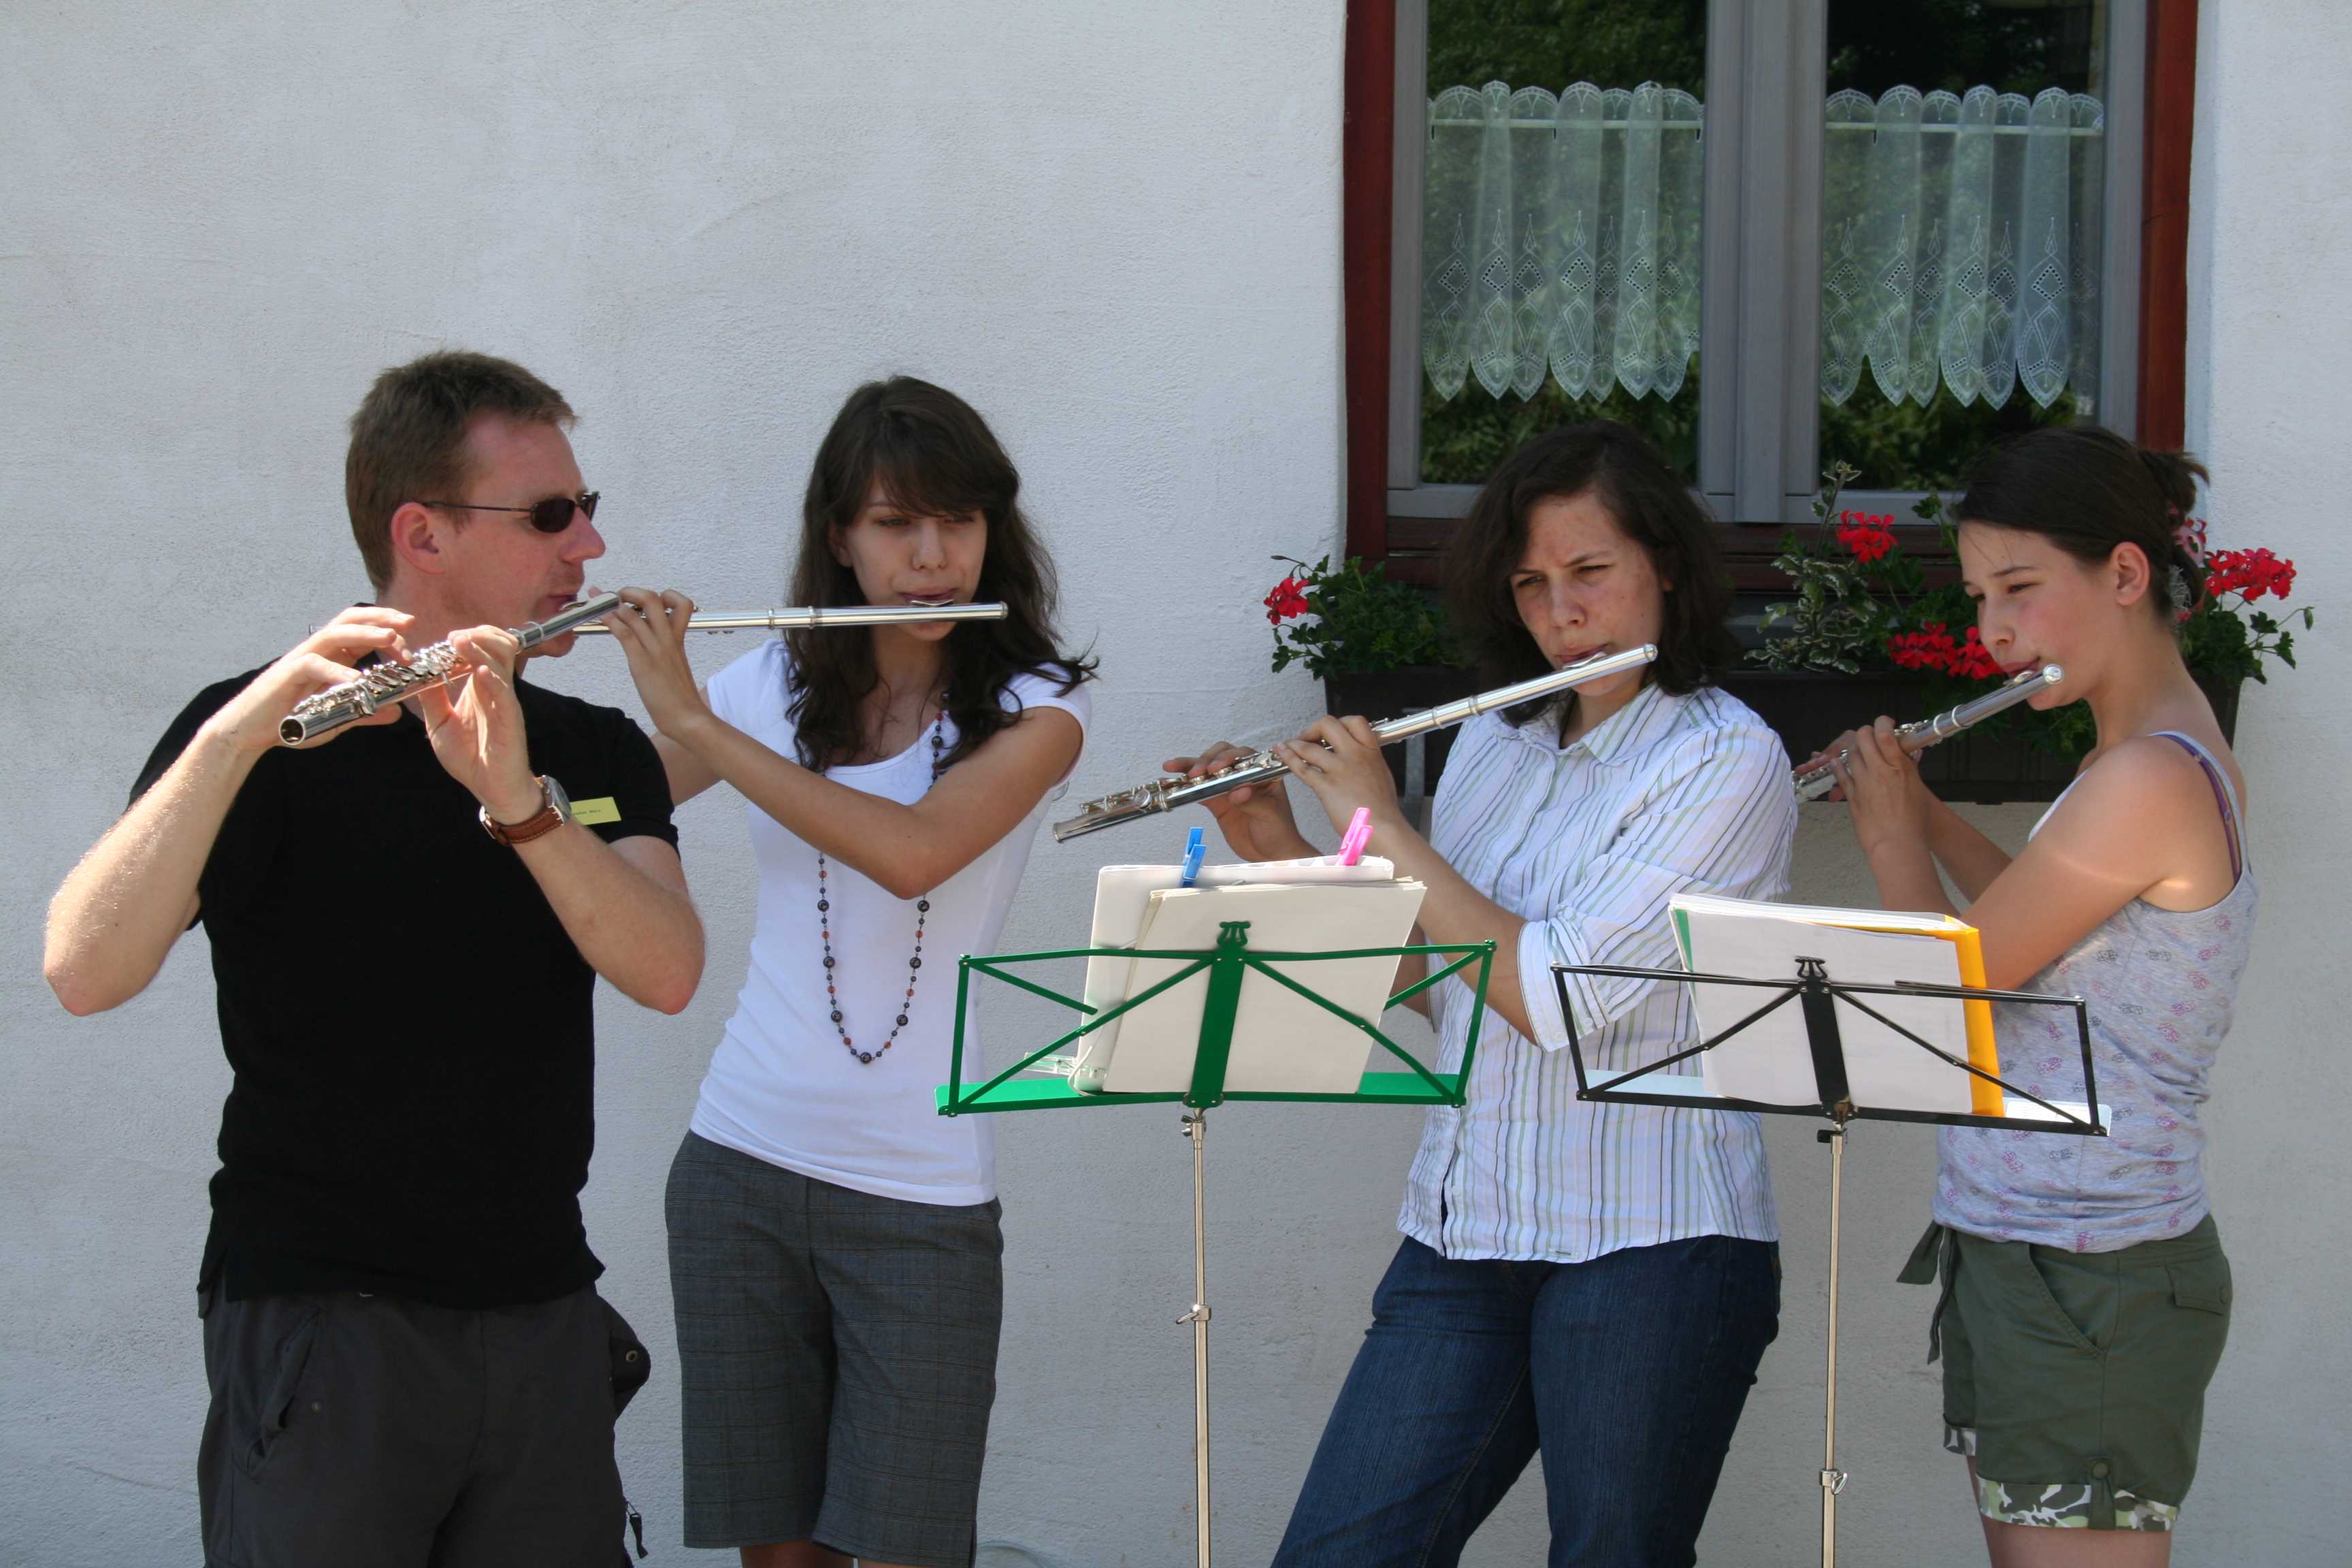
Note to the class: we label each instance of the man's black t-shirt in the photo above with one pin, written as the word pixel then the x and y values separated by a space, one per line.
pixel 408 1022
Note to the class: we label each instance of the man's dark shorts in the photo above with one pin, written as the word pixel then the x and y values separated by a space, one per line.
pixel 369 1432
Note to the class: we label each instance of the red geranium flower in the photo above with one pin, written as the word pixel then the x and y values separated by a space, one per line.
pixel 1288 599
pixel 1974 661
pixel 1868 537
pixel 1933 646
pixel 2249 572
pixel 1929 648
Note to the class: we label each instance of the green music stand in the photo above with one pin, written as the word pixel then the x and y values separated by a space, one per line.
pixel 1227 964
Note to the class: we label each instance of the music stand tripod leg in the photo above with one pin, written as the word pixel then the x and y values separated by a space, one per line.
pixel 1227 967
pixel 1196 1128
pixel 1218 1011
pixel 1822 1038
pixel 1832 1478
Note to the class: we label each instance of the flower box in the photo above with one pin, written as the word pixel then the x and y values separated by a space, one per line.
pixel 1862 606
pixel 1863 602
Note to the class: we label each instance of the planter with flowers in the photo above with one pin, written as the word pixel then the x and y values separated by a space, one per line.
pixel 1380 647
pixel 1869 632
pixel 1872 628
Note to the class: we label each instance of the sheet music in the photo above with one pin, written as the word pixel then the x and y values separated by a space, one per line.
pixel 1282 1043
pixel 1771 1062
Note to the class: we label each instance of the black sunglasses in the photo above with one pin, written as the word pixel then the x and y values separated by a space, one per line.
pixel 552 515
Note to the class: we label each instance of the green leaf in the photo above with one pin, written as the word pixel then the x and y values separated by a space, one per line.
pixel 1358 620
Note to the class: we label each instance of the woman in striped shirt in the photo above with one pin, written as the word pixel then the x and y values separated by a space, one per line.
pixel 1592 1283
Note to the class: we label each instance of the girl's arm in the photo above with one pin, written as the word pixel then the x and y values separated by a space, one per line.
pixel 908 850
pixel 2134 825
pixel 1970 858
pixel 688 774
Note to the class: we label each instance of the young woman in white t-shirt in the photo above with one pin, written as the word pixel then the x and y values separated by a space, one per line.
pixel 834 1247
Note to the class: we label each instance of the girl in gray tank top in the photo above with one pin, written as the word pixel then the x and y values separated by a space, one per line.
pixel 2160 985
pixel 2085 1295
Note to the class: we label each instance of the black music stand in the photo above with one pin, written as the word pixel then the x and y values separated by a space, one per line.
pixel 1819 997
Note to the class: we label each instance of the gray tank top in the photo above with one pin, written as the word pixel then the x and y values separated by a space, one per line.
pixel 2160 985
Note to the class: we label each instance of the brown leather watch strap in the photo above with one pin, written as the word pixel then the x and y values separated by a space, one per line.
pixel 546 820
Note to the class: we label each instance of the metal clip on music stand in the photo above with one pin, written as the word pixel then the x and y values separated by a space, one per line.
pixel 1819 997
pixel 1227 964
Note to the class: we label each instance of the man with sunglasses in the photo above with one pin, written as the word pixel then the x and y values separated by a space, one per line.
pixel 408 1358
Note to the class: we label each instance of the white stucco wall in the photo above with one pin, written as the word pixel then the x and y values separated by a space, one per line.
pixel 2270 337
pixel 1116 229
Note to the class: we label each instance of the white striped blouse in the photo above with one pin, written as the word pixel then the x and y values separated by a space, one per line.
pixel 1586 843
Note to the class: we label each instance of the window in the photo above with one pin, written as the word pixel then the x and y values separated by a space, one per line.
pixel 1963 225
pixel 1768 234
pixel 1560 265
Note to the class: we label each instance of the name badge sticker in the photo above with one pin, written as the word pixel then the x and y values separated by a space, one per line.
pixel 591 813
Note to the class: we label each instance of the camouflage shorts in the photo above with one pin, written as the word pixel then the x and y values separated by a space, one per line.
pixel 2076 1381
pixel 2062 1507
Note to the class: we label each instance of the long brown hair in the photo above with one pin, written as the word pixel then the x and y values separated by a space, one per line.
pixel 1653 507
pixel 935 456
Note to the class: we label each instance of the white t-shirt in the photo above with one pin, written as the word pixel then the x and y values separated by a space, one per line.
pixel 780 1086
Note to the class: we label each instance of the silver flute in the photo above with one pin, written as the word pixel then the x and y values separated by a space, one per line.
pixel 1816 782
pixel 1166 793
pixel 390 682
pixel 795 619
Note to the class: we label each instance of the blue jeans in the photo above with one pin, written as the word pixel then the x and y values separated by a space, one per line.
pixel 1626 1372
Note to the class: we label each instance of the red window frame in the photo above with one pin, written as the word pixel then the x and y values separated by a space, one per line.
pixel 1367 154
pixel 1368 164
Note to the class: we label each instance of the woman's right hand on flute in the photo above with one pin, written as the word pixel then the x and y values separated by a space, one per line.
pixel 651 629
pixel 1821 759
pixel 1879 777
pixel 1831 755
pixel 1256 818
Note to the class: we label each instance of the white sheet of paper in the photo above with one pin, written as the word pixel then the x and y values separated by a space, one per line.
pixel 1122 899
pixel 1771 1061
pixel 1282 1043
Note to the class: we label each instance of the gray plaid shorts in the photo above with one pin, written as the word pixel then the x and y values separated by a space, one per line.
pixel 836 1357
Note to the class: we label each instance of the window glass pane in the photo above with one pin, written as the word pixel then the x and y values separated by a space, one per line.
pixel 1560 225
pixel 1962 175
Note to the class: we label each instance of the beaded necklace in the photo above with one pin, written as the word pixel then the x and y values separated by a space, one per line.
pixel 922 912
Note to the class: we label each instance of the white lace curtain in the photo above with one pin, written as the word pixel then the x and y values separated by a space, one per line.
pixel 1961 242
pixel 1560 234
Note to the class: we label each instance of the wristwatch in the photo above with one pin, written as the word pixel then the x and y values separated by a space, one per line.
pixel 554 811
